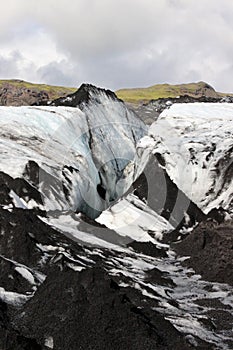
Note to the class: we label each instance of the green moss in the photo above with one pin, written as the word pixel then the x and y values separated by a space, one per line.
pixel 162 91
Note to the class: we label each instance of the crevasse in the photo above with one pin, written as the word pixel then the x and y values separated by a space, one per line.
pixel 86 154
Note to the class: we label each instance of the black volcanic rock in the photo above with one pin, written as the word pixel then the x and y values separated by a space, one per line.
pixel 210 248
pixel 22 230
pixel 88 310
pixel 10 339
pixel 159 277
pixel 84 94
pixel 148 248
pixel 11 280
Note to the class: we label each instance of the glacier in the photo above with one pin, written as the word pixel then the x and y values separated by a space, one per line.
pixel 85 211
pixel 85 155
pixel 195 141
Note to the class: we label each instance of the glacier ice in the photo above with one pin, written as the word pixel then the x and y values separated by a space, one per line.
pixel 84 154
pixel 196 143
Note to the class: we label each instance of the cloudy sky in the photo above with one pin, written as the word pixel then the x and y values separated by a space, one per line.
pixel 117 43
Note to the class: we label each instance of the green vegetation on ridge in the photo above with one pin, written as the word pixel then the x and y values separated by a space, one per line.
pixel 136 95
pixel 132 95
pixel 53 91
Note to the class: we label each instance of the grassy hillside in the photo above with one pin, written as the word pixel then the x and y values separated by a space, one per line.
pixel 136 95
pixel 53 91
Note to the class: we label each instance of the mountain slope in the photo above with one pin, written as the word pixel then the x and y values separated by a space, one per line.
pixel 22 93
pixel 136 95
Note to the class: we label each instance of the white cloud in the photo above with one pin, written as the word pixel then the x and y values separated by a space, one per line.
pixel 120 43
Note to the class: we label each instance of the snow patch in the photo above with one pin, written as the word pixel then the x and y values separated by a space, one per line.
pixel 12 298
pixel 49 342
pixel 132 218
pixel 25 274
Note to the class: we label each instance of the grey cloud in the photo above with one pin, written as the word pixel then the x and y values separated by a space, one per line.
pixel 132 42
pixel 59 72
pixel 15 66
pixel 9 66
